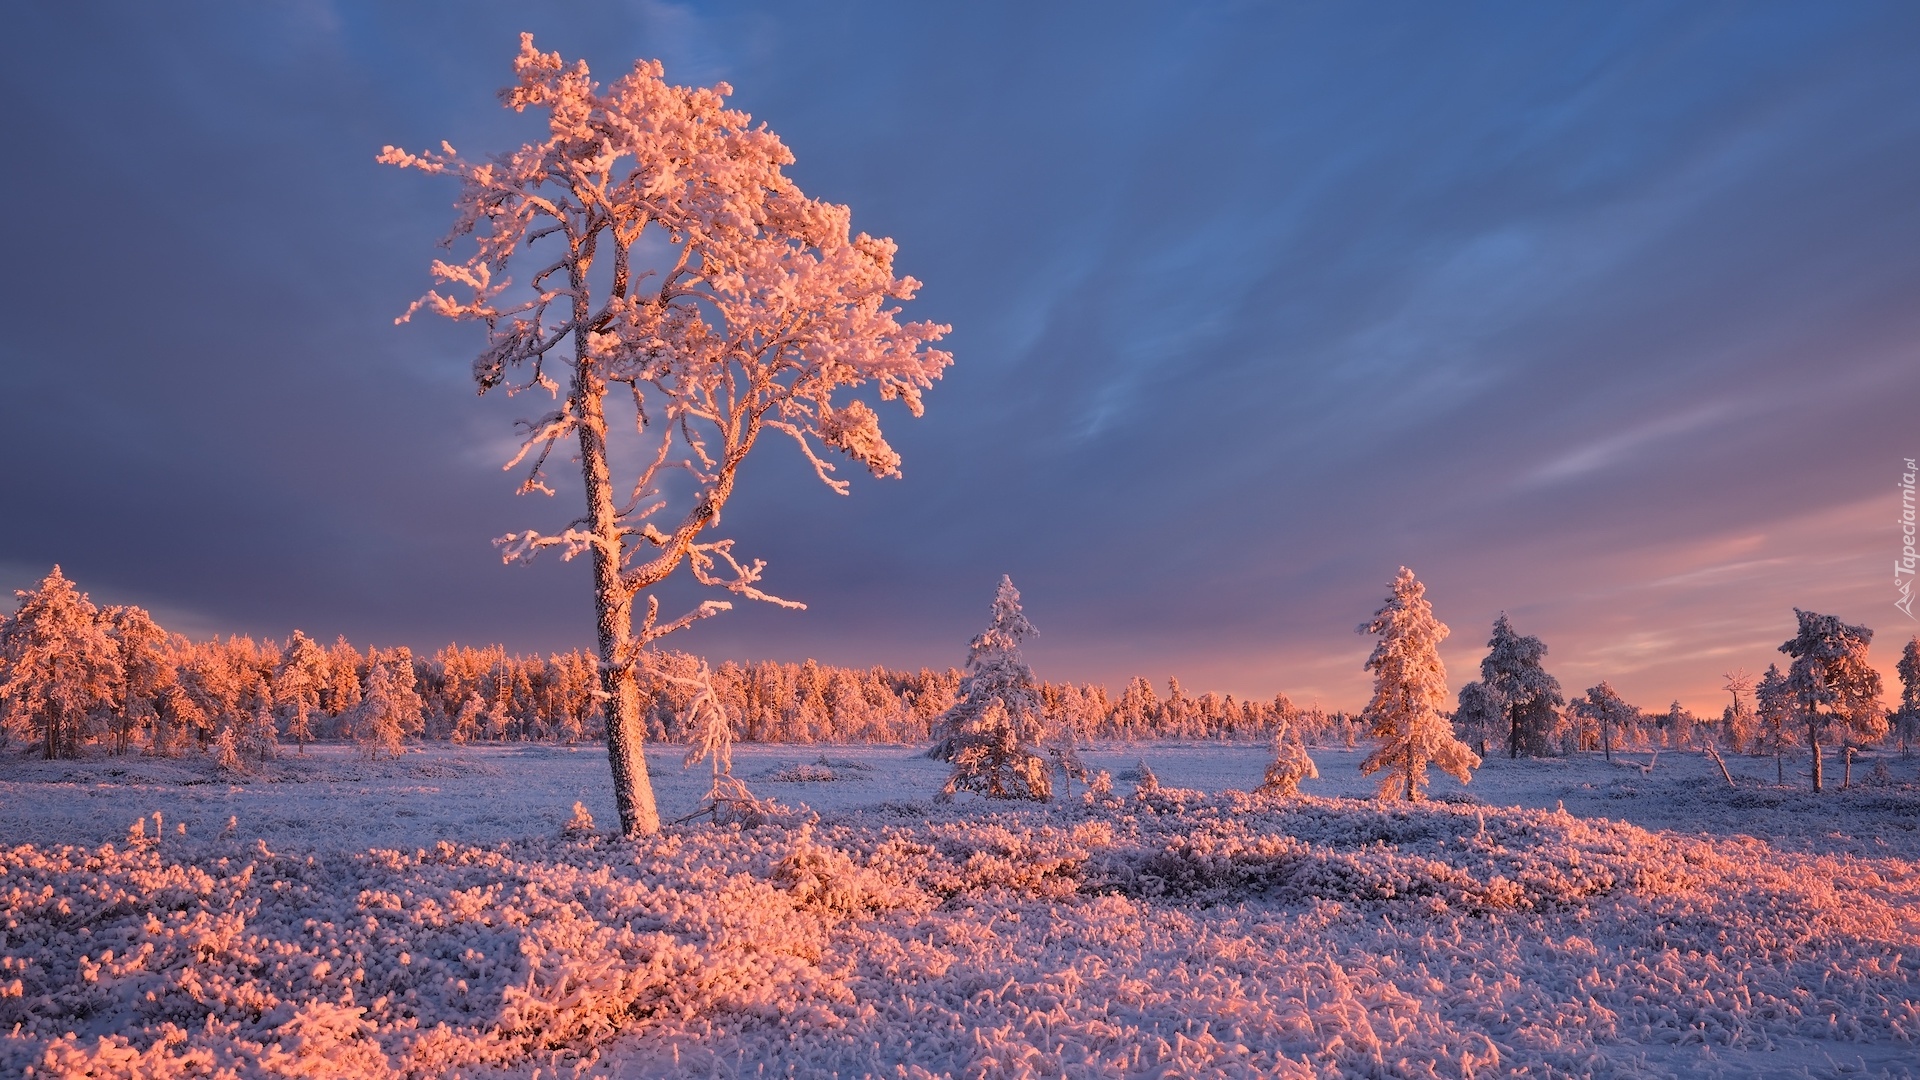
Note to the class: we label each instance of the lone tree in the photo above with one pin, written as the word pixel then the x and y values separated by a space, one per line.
pixel 1531 696
pixel 666 253
pixel 1834 691
pixel 992 733
pixel 1409 690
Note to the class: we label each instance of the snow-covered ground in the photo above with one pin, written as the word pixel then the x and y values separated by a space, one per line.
pixel 427 916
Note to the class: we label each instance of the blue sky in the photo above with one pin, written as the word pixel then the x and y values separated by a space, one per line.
pixel 1602 315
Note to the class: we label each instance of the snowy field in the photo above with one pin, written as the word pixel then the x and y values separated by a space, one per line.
pixel 427 916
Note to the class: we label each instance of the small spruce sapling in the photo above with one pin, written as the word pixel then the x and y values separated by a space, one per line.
pixel 727 799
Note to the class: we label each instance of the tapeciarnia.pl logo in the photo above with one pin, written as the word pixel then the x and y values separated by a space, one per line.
pixel 1903 566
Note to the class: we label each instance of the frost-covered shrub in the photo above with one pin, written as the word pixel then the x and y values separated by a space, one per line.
pixel 1291 764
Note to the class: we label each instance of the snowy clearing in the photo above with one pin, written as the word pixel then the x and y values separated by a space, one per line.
pixel 426 916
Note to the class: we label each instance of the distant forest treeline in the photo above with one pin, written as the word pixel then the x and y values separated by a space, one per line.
pixel 81 675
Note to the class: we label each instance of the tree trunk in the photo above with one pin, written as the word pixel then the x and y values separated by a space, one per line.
pixel 1410 770
pixel 1606 741
pixel 1846 774
pixel 1513 733
pixel 1813 740
pixel 612 603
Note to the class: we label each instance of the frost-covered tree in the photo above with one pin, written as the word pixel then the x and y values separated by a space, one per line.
pixel 1908 716
pixel 992 734
pixel 665 252
pixel 994 671
pixel 297 683
pixel 1835 690
pixel 390 709
pixel 259 736
pixel 1607 711
pixel 1291 764
pixel 1479 715
pixel 147 672
pixel 1739 724
pixel 1409 692
pixel 1677 724
pixel 1530 696
pixel 60 670
pixel 993 760
pixel 1773 709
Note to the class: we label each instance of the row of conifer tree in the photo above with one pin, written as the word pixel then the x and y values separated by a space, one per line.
pixel 74 675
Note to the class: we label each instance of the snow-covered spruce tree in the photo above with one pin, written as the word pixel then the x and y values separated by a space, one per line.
pixel 993 760
pixel 146 670
pixel 60 671
pixel 390 710
pixel 297 684
pixel 1530 696
pixel 992 734
pixel 259 737
pixel 1908 716
pixel 732 305
pixel 1835 691
pixel 1676 725
pixel 1607 711
pixel 1291 763
pixel 1409 692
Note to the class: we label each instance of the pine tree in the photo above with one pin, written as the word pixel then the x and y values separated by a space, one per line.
pixel 147 672
pixel 1608 713
pixel 1530 696
pixel 991 735
pixel 1409 691
pixel 1677 724
pixel 995 671
pixel 390 710
pixel 1739 724
pixel 1773 708
pixel 226 751
pixel 297 684
pixel 1836 691
pixel 1291 764
pixel 1908 717
pixel 1479 716
pixel 61 667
